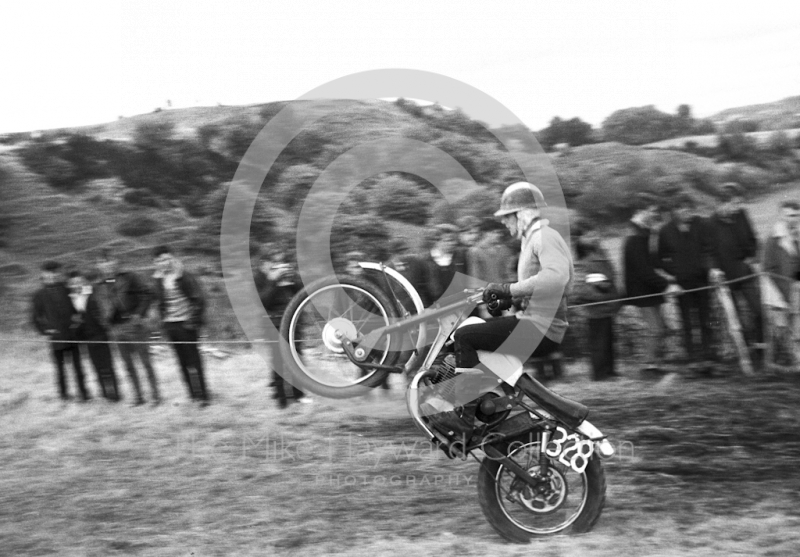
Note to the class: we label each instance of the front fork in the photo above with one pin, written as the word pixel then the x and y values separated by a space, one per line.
pixel 544 439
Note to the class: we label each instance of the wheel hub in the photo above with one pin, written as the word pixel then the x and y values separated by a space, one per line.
pixel 335 331
pixel 548 496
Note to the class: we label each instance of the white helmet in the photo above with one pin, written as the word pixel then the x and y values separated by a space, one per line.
pixel 518 196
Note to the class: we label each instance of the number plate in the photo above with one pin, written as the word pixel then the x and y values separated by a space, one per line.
pixel 570 449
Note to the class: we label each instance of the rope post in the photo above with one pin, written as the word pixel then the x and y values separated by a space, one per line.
pixel 768 312
pixel 734 325
pixel 794 321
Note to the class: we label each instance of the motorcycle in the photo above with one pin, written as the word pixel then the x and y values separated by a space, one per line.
pixel 541 472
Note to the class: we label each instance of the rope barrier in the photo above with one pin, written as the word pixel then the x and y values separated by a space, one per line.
pixel 680 293
pixel 264 341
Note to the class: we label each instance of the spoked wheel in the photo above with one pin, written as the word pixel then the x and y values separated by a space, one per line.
pixel 312 326
pixel 564 501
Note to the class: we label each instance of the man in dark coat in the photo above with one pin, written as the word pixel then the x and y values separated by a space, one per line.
pixel 54 316
pixel 125 299
pixel 432 272
pixel 93 329
pixel 735 248
pixel 641 278
pixel 684 251
pixel 182 304
pixel 595 282
pixel 276 283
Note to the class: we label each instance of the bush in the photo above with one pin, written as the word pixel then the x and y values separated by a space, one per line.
pixel 639 125
pixel 738 147
pixel 138 225
pixel 400 199
pixel 575 132
pixel 141 197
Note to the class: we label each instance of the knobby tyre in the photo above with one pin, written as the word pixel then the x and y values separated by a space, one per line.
pixel 571 502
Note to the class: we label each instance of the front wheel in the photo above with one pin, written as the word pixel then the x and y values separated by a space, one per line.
pixel 565 502
pixel 312 351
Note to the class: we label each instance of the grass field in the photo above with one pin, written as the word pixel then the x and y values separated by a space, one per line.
pixel 704 467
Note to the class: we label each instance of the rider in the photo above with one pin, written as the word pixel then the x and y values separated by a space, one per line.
pixel 544 274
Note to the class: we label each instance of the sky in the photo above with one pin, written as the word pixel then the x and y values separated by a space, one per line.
pixel 80 62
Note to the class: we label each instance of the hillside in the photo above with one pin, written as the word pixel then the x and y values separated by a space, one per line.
pixel 777 115
pixel 712 140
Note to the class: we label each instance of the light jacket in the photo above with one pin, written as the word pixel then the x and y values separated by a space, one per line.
pixel 545 274
pixel 781 259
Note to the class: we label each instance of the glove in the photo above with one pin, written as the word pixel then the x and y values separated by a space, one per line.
pixel 495 291
pixel 497 307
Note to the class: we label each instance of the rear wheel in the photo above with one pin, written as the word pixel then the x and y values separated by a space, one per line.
pixel 565 501
pixel 313 352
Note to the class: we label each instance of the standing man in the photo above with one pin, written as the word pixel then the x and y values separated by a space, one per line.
pixel 276 283
pixel 642 279
pixel 595 281
pixel 54 316
pixel 182 306
pixel 782 261
pixel 93 329
pixel 734 252
pixel 126 298
pixel 684 252
pixel 491 259
pixel 433 271
pixel 782 251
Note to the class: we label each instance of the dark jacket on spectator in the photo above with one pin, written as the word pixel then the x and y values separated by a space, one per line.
pixel 585 292
pixel 734 241
pixel 190 287
pixel 126 295
pixel 782 258
pixel 275 297
pixel 93 326
pixel 53 314
pixel 641 278
pixel 686 255
pixel 431 279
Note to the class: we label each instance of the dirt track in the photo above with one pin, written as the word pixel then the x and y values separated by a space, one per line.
pixel 706 467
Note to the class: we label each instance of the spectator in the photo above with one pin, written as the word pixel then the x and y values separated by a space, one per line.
pixel 352 267
pixel 641 278
pixel 595 282
pixel 277 283
pixel 93 329
pixel 782 250
pixel 490 259
pixel 782 261
pixel 181 304
pixel 684 251
pixel 469 234
pixel 125 299
pixel 432 272
pixel 734 250
pixel 54 316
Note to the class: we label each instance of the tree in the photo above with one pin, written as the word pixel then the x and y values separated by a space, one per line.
pixel 573 131
pixel 397 198
pixel 638 125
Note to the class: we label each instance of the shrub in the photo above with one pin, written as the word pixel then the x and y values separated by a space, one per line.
pixel 138 225
pixel 141 197
pixel 400 199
